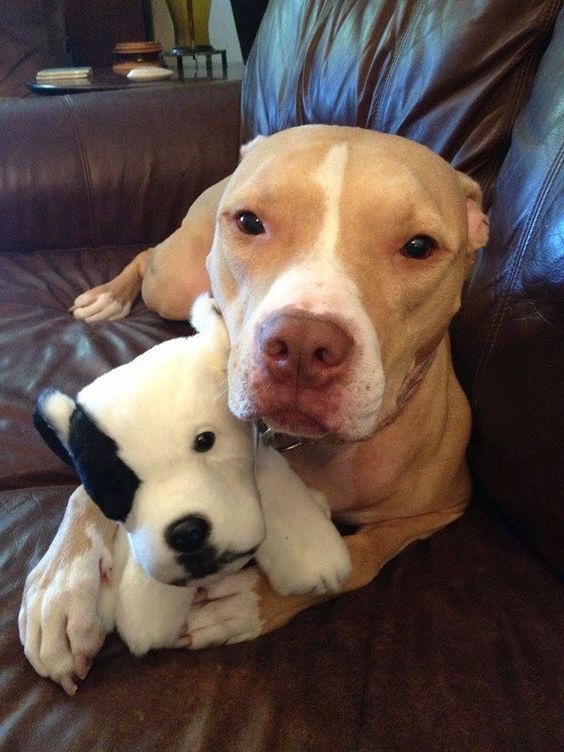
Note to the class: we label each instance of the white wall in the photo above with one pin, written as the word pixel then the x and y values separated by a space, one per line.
pixel 223 34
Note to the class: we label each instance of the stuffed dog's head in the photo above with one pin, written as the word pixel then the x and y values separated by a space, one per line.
pixel 157 449
pixel 338 262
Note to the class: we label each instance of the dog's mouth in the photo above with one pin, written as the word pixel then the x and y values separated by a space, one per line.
pixel 305 412
pixel 295 422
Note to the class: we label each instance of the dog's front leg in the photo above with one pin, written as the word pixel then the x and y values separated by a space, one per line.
pixel 60 625
pixel 243 606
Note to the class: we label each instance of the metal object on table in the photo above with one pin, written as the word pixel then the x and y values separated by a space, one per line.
pixel 194 52
pixel 190 19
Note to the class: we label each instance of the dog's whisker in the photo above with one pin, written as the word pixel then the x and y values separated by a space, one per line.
pixel 221 391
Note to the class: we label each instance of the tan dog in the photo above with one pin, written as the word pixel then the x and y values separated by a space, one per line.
pixel 338 261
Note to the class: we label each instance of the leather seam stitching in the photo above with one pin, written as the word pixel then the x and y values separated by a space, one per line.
pixel 396 56
pixel 87 176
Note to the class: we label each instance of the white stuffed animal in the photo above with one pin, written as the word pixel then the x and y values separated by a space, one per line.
pixel 196 496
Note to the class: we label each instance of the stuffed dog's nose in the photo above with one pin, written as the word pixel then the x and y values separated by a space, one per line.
pixel 188 534
pixel 311 350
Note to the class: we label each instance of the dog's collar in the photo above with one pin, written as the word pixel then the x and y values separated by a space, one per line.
pixel 284 443
pixel 410 385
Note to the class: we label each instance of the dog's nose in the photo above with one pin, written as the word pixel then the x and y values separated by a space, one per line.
pixel 304 348
pixel 188 534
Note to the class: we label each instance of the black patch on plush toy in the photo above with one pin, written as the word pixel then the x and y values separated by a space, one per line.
pixel 74 437
pixel 107 479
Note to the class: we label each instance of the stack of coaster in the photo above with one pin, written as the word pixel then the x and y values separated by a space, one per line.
pixel 55 75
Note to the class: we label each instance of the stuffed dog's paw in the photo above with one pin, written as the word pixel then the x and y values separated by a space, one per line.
pixel 148 614
pixel 305 561
pixel 303 551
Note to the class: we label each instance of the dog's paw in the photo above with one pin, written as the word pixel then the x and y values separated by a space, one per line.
pixel 306 564
pixel 101 303
pixel 59 623
pixel 226 614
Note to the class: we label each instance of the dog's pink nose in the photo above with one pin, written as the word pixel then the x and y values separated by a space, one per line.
pixel 303 348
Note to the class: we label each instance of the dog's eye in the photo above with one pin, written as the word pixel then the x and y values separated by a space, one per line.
pixel 204 441
pixel 420 247
pixel 249 223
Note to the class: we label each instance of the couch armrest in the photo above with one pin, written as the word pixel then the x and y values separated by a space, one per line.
pixel 114 167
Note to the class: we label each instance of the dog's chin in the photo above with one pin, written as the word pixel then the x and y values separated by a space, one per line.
pixel 313 415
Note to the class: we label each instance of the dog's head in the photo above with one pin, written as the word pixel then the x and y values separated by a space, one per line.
pixel 157 448
pixel 338 263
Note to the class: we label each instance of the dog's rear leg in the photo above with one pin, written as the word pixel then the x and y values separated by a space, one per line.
pixel 112 300
pixel 169 276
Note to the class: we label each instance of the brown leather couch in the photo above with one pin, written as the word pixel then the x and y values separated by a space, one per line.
pixel 458 644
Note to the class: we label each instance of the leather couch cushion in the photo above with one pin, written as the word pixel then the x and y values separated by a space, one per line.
pixel 455 646
pixel 41 345
pixel 455 76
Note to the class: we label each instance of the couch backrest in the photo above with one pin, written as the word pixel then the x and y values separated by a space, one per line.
pixel 450 74
pixel 454 76
pixel 111 168
pixel 509 337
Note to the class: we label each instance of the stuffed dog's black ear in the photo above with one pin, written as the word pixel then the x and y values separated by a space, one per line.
pixel 108 480
pixel 51 418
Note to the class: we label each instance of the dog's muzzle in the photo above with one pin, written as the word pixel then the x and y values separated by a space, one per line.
pixel 302 349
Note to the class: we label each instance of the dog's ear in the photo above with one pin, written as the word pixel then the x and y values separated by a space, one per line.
pixel 478 223
pixel 52 416
pixel 207 320
pixel 246 148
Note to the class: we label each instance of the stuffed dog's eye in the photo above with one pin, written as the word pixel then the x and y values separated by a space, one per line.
pixel 249 223
pixel 420 247
pixel 204 441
